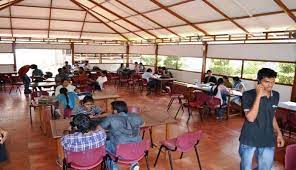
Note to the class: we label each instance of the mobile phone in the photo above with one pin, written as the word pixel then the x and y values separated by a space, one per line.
pixel 259 81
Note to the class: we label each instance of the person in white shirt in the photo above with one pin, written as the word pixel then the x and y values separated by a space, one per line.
pixel 102 79
pixel 150 79
pixel 86 65
pixel 66 84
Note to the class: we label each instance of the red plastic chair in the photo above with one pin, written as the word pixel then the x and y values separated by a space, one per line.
pixel 282 118
pixel 173 97
pixel 131 152
pixel 183 143
pixel 143 83
pixel 135 109
pixel 197 103
pixel 33 103
pixel 15 82
pixel 291 123
pixel 290 163
pixel 87 159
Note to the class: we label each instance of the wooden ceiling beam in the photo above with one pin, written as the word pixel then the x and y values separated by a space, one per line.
pixel 285 9
pixel 129 31
pixel 11 28
pixel 38 6
pixel 10 4
pixel 49 19
pixel 178 16
pixel 63 30
pixel 113 13
pixel 83 24
pixel 224 15
pixel 151 20
pixel 78 4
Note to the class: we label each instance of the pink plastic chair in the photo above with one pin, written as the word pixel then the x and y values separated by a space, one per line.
pixel 183 143
pixel 197 103
pixel 290 163
pixel 131 152
pixel 173 97
pixel 135 109
pixel 87 159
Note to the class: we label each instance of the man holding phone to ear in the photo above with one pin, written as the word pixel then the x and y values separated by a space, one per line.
pixel 260 130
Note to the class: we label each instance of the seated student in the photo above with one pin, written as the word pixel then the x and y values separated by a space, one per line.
pixel 159 71
pixel 166 73
pixel 120 69
pixel 102 79
pixel 64 84
pixel 220 91
pixel 123 127
pixel 137 67
pixel 151 82
pixel 239 86
pixel 210 78
pixel 37 74
pixel 227 83
pixel 87 107
pixel 67 66
pixel 60 76
pixel 84 135
pixel 67 101
pixel 3 137
pixel 142 67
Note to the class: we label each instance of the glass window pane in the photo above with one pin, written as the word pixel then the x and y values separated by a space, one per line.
pixel 168 61
pixel 225 67
pixel 190 64
pixel 285 71
pixel 112 58
pixel 6 58
pixel 134 58
pixel 148 60
pixel 91 58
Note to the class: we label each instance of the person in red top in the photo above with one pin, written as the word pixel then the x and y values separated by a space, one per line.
pixel 23 75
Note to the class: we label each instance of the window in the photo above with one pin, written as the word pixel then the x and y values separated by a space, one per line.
pixel 191 64
pixel 169 61
pixel 148 60
pixel 46 59
pixel 6 58
pixel 112 58
pixel 91 58
pixel 225 67
pixel 134 58
pixel 285 71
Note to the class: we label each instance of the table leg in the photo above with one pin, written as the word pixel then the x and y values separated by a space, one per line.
pixel 228 107
pixel 60 151
pixel 41 109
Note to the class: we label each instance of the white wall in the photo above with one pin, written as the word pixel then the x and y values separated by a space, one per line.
pixel 188 77
pixel 108 67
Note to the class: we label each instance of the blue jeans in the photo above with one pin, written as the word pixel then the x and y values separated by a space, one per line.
pixel 264 157
pixel 26 81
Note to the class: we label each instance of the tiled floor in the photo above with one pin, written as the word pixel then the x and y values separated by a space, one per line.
pixel 29 149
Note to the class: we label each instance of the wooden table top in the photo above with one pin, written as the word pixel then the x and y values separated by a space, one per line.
pixel 58 126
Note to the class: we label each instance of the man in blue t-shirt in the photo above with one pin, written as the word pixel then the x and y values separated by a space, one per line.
pixel 257 134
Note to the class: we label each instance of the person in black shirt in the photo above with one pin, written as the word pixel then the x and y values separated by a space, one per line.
pixel 258 132
pixel 210 78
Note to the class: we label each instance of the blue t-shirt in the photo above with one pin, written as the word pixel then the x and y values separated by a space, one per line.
pixel 61 98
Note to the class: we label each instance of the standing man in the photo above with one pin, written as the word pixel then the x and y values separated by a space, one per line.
pixel 23 75
pixel 260 132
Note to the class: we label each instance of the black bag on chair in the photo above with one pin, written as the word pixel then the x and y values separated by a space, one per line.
pixel 3 153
